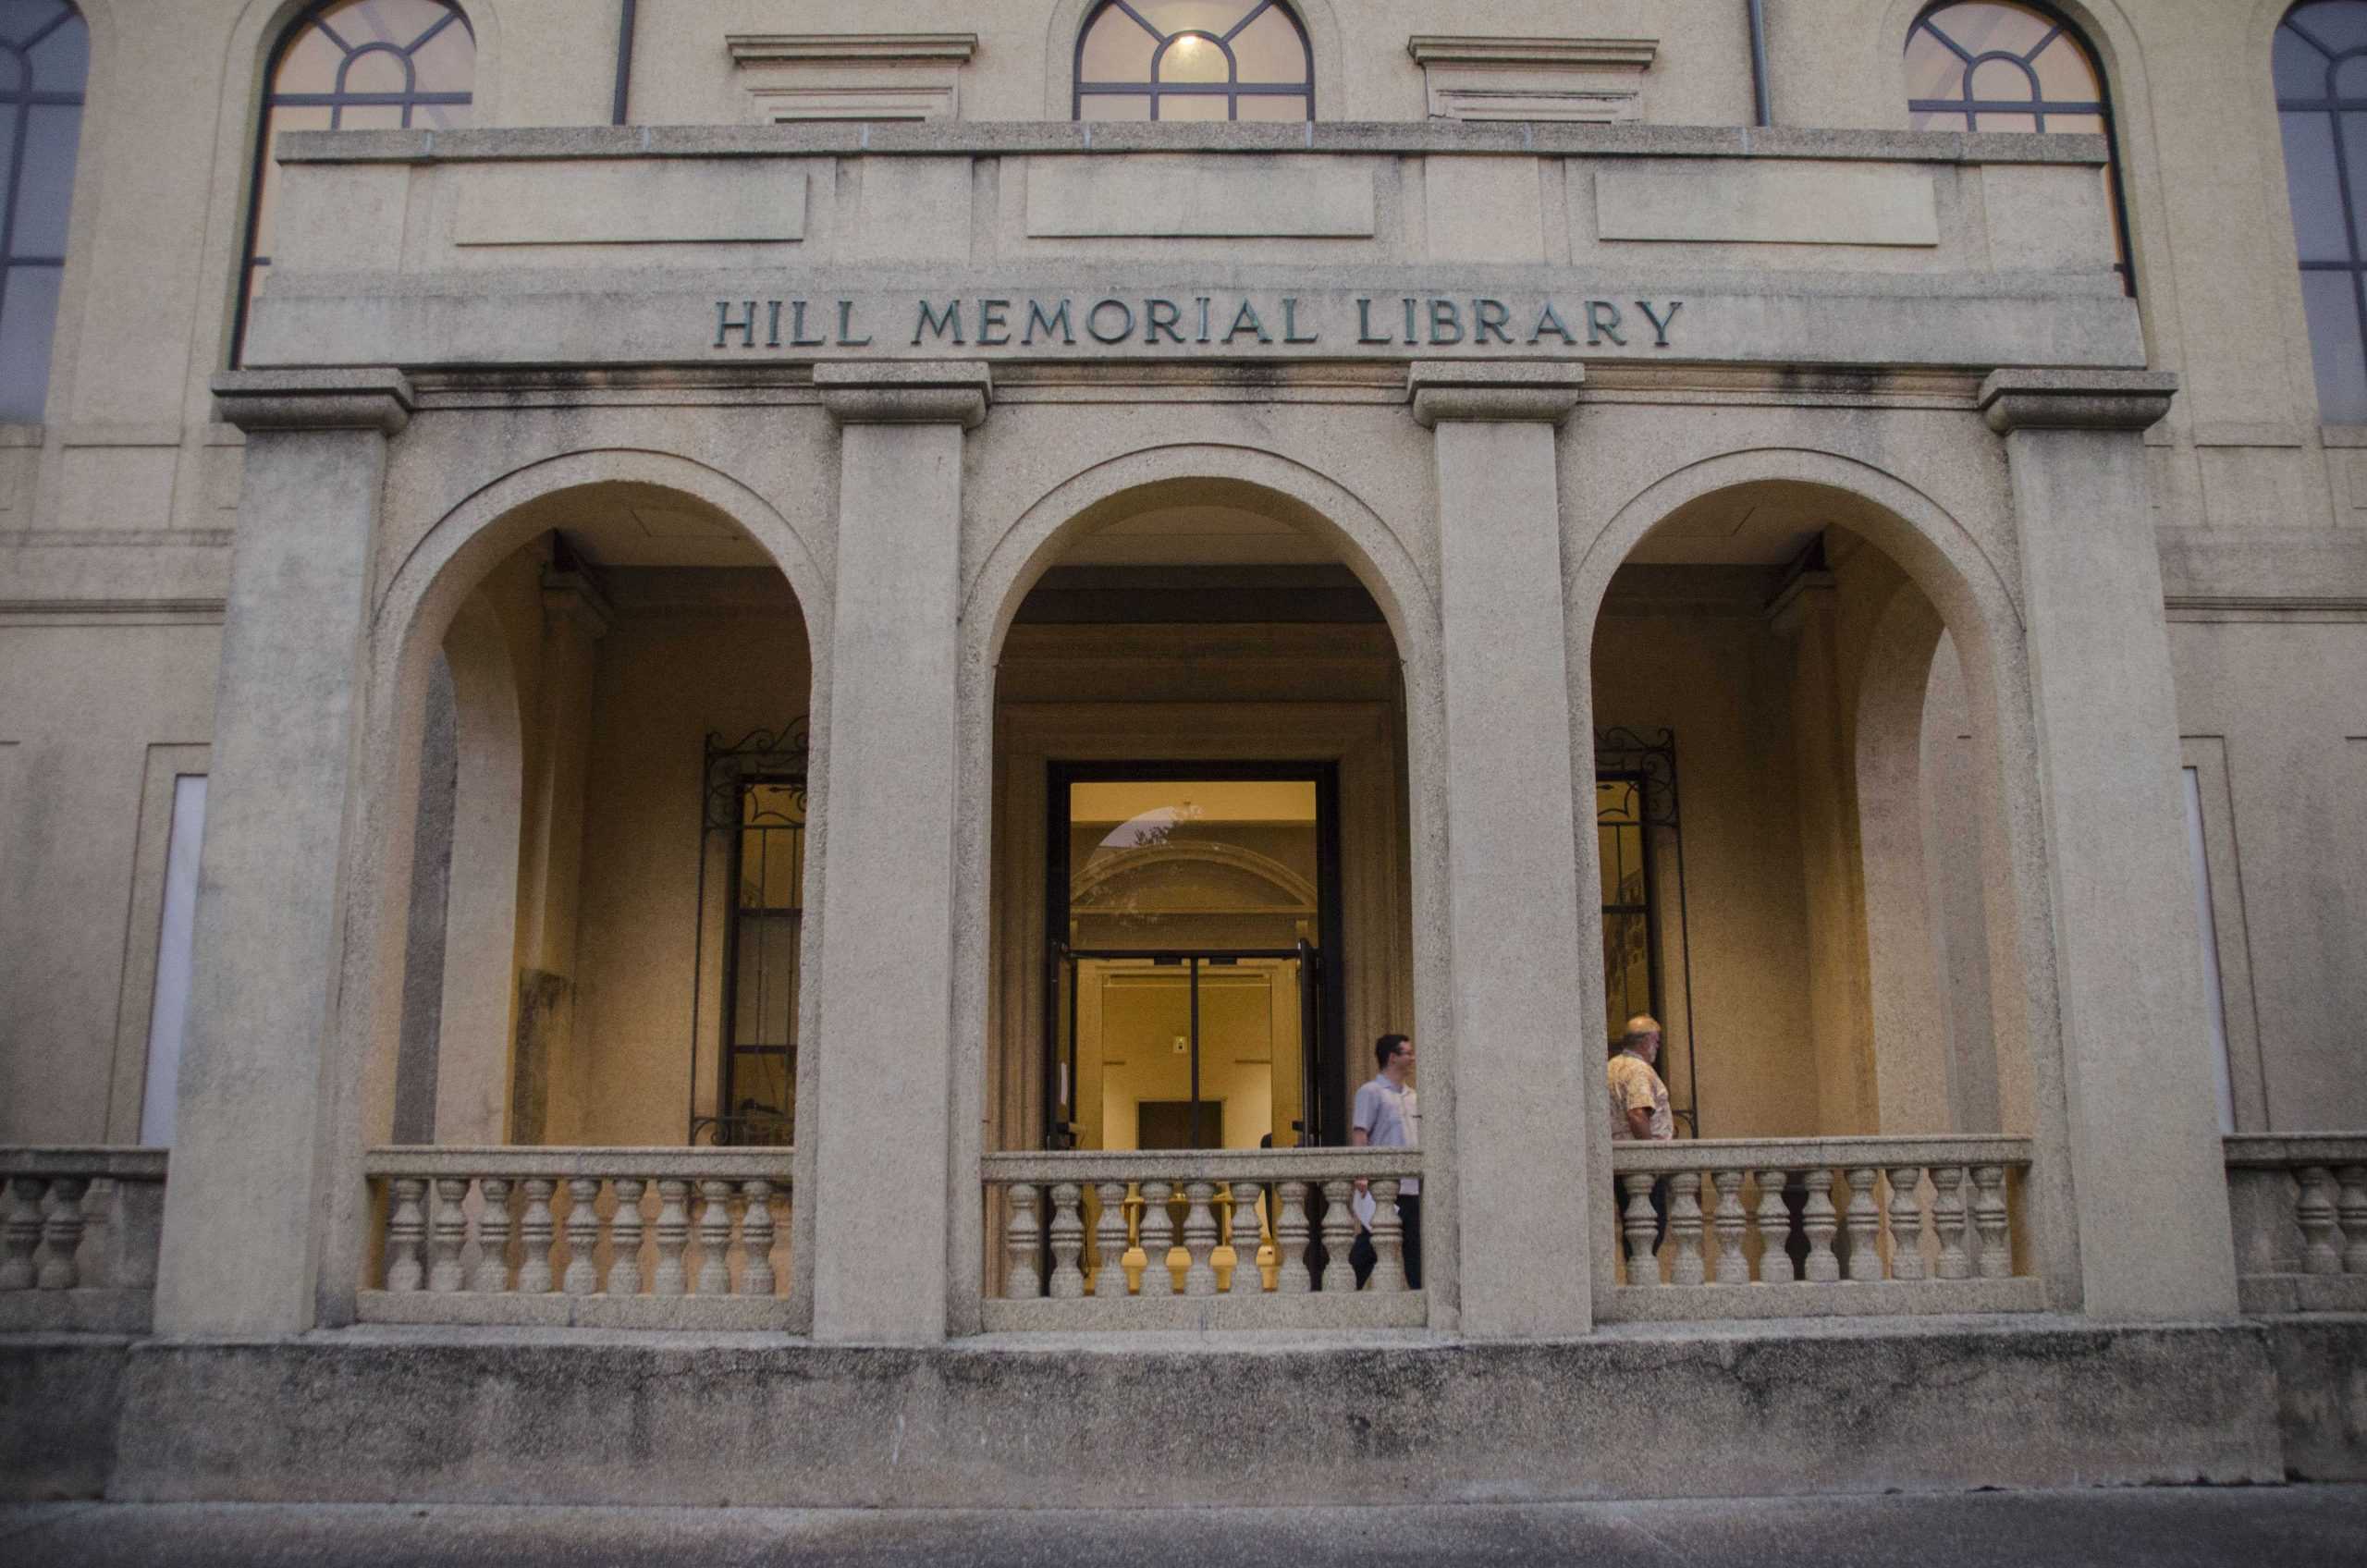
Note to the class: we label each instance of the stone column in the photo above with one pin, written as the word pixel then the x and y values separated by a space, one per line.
pixel 1523 1040
pixel 880 1124
pixel 240 1244
pixel 2149 1182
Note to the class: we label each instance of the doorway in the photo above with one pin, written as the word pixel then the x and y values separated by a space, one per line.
pixel 1194 980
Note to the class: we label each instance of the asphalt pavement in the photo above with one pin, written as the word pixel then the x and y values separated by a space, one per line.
pixel 2163 1528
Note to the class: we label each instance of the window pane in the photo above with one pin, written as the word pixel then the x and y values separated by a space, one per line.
pixel 1193 59
pixel 295 117
pixel 2064 73
pixel 2082 125
pixel 1933 69
pixel 310 64
pixel 28 310
pixel 2000 82
pixel 2335 347
pixel 23 19
pixel 1268 50
pixel 1934 119
pixel 1987 27
pixel 2354 150
pixel 2340 25
pixel 385 21
pixel 1194 106
pixel 1116 49
pixel 45 184
pixel 446 63
pixel 1113 106
pixel 370 116
pixel 2006 122
pixel 377 71
pixel 1260 107
pixel 2350 78
pixel 2315 188
pixel 2301 69
pixel 62 61
pixel 1216 16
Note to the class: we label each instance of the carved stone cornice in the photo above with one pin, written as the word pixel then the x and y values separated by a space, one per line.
pixel 2076 399
pixel 913 392
pixel 1499 391
pixel 851 48
pixel 1566 54
pixel 369 398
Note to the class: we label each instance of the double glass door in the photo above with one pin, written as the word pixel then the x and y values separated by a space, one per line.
pixel 1190 997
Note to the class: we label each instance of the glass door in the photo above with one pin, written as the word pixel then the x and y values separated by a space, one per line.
pixel 1190 992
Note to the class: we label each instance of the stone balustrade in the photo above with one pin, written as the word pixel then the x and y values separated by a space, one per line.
pixel 2298 1203
pixel 1158 1240
pixel 620 1238
pixel 1818 1227
pixel 78 1227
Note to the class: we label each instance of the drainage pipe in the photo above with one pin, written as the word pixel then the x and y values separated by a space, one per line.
pixel 1759 89
pixel 624 62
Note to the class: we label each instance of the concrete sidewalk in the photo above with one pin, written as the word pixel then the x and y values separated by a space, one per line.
pixel 2286 1527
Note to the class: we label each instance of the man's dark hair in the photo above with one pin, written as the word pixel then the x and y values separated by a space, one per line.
pixel 1386 1046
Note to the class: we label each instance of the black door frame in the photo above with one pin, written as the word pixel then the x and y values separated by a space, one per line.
pixel 1329 1108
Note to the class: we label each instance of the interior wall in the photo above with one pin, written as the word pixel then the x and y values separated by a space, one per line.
pixel 1691 650
pixel 690 652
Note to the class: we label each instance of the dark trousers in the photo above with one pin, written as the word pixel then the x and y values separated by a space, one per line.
pixel 1660 1213
pixel 1361 1257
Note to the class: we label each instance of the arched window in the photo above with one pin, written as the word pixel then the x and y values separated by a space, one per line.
pixel 1194 61
pixel 2320 68
pixel 44 58
pixel 1996 65
pixel 354 64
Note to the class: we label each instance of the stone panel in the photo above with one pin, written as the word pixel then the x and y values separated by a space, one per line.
pixel 1788 204
pixel 631 203
pixel 1169 196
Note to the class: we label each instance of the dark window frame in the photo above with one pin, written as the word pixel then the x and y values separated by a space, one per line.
pixel 251 262
pixel 2038 105
pixel 18 102
pixel 1231 88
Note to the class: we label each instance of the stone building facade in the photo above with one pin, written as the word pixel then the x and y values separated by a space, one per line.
pixel 722 729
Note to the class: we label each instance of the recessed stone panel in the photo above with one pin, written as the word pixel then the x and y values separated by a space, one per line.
pixel 1159 196
pixel 674 201
pixel 1782 205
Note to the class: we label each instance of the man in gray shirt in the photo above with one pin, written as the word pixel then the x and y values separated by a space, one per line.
pixel 1389 1116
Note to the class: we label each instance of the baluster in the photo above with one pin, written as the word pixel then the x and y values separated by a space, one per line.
pixel 1021 1279
pixel 1864 1220
pixel 1906 1223
pixel 1339 1235
pixel 1159 1240
pixel 61 1232
pixel 756 1238
pixel 1818 1221
pixel 582 1235
pixel 1643 1269
pixel 673 1231
pixel 2353 1206
pixel 405 1230
pixel 1989 1219
pixel 1954 1221
pixel 1109 1242
pixel 1247 1278
pixel 447 1228
pixel 1388 1238
pixel 715 1239
pixel 1733 1268
pixel 1774 1230
pixel 625 1237
pixel 1068 1242
pixel 1199 1239
pixel 493 1237
pixel 1289 1241
pixel 20 1232
pixel 2315 1210
pixel 535 1232
pixel 1684 1227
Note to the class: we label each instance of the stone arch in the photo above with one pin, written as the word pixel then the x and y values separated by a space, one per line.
pixel 1972 588
pixel 1322 24
pixel 417 605
pixel 1020 552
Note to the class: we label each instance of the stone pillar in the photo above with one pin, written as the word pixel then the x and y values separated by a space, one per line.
pixel 880 1123
pixel 1524 1042
pixel 240 1244
pixel 2148 1176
